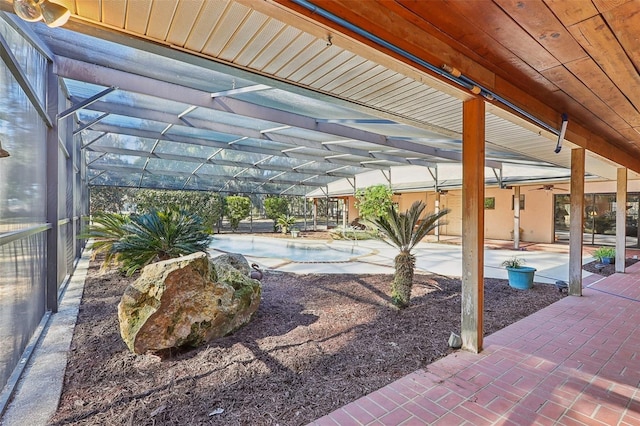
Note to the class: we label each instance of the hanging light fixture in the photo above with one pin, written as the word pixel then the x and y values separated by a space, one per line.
pixel 3 152
pixel 53 14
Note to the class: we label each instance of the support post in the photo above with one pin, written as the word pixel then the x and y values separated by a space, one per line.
pixel 344 213
pixel 315 214
pixel 304 209
pixel 576 222
pixel 516 217
pixel 621 220
pixel 436 210
pixel 473 156
pixel 53 152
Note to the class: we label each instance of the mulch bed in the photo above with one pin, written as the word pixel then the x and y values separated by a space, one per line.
pixel 596 267
pixel 317 343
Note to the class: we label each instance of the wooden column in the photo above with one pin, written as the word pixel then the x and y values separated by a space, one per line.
pixel 344 213
pixel 473 149
pixel 621 220
pixel 516 217
pixel 436 210
pixel 577 221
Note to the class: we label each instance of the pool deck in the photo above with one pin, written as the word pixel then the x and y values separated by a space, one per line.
pixel 443 258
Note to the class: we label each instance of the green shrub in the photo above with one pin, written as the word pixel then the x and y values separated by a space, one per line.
pixel 374 202
pixel 160 235
pixel 274 207
pixel 210 207
pixel 238 209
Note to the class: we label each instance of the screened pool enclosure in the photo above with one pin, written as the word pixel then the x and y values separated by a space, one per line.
pixel 257 115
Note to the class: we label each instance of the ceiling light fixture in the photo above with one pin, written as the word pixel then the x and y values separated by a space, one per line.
pixel 53 14
pixel 3 152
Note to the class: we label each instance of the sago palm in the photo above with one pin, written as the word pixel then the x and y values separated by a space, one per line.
pixel 105 230
pixel 404 231
pixel 160 235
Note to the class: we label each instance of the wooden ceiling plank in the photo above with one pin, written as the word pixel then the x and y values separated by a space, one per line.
pixel 571 12
pixel 183 21
pixel 576 90
pixel 597 39
pixel 542 25
pixel 604 6
pixel 587 71
pixel 396 30
pixel 624 21
pixel 114 12
pixel 464 35
pixel 503 30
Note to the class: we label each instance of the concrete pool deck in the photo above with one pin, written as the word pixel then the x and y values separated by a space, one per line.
pixel 444 258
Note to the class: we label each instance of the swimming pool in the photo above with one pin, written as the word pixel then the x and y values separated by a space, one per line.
pixel 286 249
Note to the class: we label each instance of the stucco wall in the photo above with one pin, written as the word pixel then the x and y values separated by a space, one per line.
pixel 536 219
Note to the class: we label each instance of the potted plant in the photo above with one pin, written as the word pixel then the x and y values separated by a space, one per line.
pixel 294 232
pixel 520 277
pixel 606 255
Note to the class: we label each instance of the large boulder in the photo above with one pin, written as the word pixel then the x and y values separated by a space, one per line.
pixel 187 301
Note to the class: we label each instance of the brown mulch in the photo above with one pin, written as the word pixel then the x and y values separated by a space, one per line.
pixel 316 343
pixel 596 267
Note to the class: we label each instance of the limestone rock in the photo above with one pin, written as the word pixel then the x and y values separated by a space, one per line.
pixel 187 301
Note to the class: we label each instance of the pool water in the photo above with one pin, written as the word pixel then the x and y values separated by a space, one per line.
pixel 291 250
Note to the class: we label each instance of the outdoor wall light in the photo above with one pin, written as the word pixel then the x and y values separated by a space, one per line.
pixel 53 14
pixel 3 152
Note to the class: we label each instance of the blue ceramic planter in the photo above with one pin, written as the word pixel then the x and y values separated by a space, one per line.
pixel 521 278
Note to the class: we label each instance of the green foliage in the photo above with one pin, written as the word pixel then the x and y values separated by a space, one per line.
pixel 106 229
pixel 286 222
pixel 238 208
pixel 374 201
pixel 602 252
pixel 274 207
pixel 208 206
pixel 514 262
pixel 109 199
pixel 403 231
pixel 160 235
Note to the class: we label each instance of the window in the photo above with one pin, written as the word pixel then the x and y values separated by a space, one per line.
pixel 521 201
pixel 490 203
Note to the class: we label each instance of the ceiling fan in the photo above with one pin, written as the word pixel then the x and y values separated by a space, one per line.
pixel 549 188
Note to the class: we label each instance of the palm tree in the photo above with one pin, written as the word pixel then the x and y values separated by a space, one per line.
pixel 404 231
